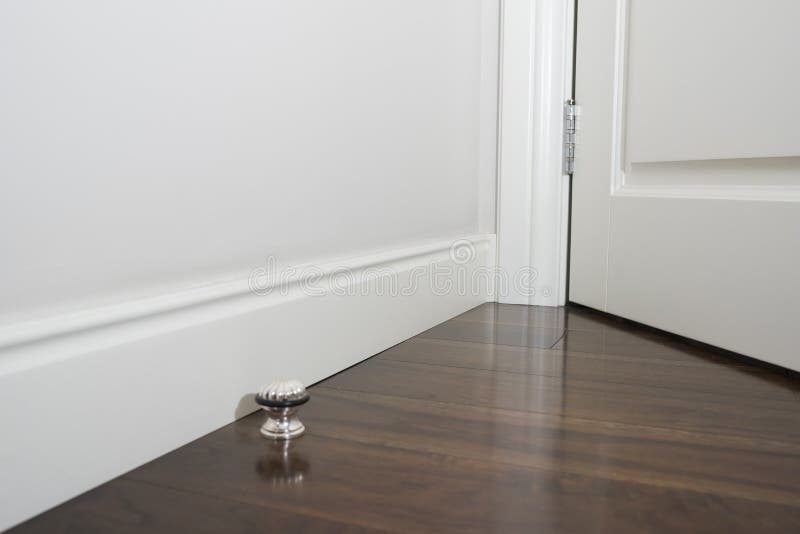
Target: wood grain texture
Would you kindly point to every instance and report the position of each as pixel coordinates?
(449, 432)
(699, 375)
(586, 399)
(129, 506)
(638, 453)
(500, 334)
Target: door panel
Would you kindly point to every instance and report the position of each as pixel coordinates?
(709, 79)
(686, 193)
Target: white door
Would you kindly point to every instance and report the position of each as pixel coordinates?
(686, 199)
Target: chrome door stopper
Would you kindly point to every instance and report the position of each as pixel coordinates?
(281, 400)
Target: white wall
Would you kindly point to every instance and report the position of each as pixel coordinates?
(154, 152)
(152, 144)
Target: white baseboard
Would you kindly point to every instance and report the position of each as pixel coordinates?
(89, 396)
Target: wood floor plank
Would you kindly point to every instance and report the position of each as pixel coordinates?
(637, 343)
(566, 318)
(533, 316)
(492, 333)
(701, 376)
(587, 331)
(747, 468)
(127, 506)
(624, 403)
(377, 486)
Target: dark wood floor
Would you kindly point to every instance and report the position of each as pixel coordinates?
(504, 419)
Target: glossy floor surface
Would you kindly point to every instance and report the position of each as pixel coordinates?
(504, 419)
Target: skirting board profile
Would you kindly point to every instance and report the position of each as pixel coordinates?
(87, 397)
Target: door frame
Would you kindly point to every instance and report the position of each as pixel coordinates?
(536, 59)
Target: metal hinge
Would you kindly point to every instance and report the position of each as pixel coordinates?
(570, 129)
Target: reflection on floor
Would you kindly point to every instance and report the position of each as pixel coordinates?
(504, 419)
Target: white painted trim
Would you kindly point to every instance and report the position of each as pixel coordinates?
(126, 312)
(533, 193)
(766, 193)
(618, 132)
(88, 396)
